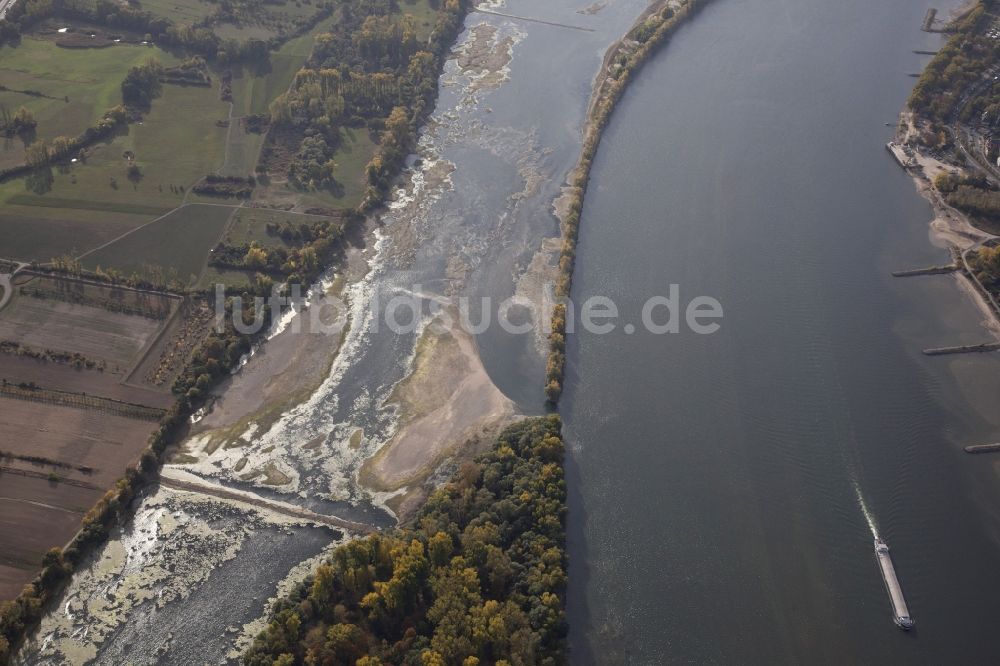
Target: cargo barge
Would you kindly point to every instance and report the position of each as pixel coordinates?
(900, 613)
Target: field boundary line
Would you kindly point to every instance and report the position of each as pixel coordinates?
(130, 232)
(81, 401)
(32, 474)
(42, 504)
(97, 283)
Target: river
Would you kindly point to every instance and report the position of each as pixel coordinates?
(720, 483)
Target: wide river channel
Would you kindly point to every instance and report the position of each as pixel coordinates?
(726, 487)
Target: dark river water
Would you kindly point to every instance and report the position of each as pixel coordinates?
(719, 482)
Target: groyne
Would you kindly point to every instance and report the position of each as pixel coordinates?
(930, 270)
(929, 18)
(983, 448)
(964, 349)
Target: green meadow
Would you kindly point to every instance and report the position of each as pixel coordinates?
(90, 79)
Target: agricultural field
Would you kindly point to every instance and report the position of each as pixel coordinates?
(112, 340)
(177, 243)
(77, 86)
(55, 463)
(40, 233)
(70, 422)
(51, 374)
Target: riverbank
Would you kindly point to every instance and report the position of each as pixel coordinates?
(623, 60)
(949, 227)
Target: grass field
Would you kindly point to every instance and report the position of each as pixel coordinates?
(228, 277)
(180, 240)
(242, 152)
(265, 21)
(183, 12)
(177, 143)
(253, 91)
(244, 31)
(423, 15)
(83, 204)
(90, 78)
(351, 158)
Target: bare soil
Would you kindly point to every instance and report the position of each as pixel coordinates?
(64, 377)
(35, 515)
(94, 332)
(78, 437)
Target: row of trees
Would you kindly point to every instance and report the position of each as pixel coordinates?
(311, 248)
(42, 152)
(479, 579)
